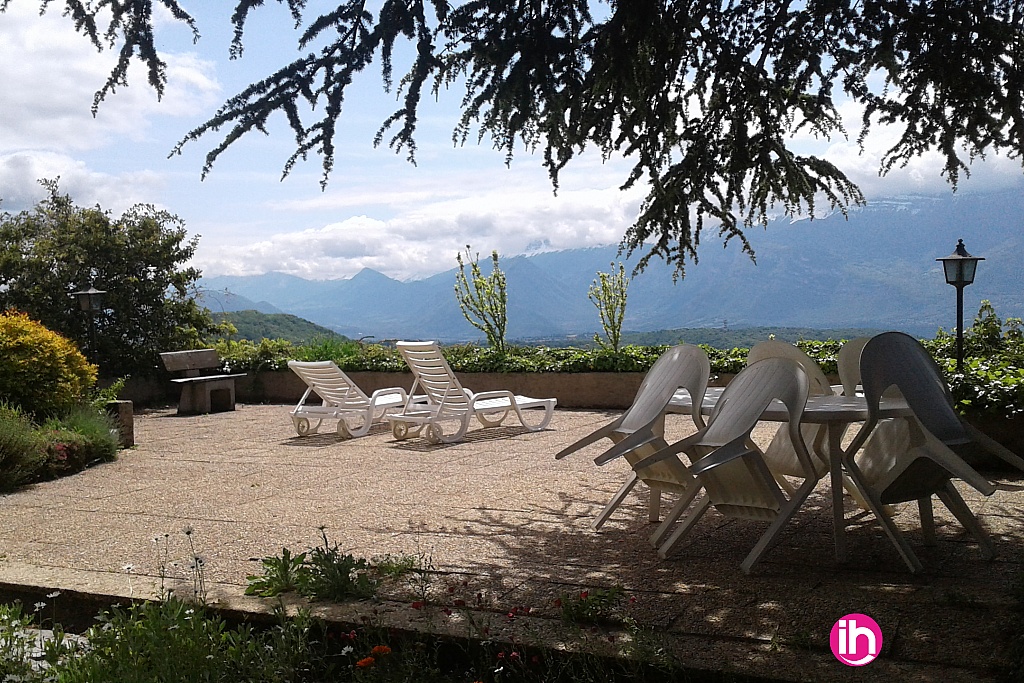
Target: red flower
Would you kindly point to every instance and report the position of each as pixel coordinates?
(584, 595)
(380, 650)
(418, 604)
(364, 663)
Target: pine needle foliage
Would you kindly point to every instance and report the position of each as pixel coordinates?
(705, 98)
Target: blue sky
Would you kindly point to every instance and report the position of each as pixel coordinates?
(378, 211)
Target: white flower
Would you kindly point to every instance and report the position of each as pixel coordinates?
(54, 594)
(40, 605)
(347, 650)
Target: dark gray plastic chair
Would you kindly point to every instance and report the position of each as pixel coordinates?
(915, 457)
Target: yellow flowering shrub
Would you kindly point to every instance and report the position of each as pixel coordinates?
(40, 371)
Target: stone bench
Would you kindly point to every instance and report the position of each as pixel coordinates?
(202, 389)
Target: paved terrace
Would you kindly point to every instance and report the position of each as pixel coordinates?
(506, 526)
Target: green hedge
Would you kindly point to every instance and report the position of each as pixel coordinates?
(992, 382)
(246, 356)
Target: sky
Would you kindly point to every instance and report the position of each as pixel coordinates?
(378, 210)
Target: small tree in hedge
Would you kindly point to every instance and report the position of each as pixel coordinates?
(483, 299)
(41, 372)
(608, 294)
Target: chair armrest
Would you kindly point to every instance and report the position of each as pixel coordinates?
(720, 456)
(485, 395)
(668, 451)
(858, 440)
(593, 437)
(390, 390)
(632, 441)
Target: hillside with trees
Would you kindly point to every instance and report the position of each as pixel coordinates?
(254, 326)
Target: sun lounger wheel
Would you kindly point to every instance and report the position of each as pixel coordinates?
(403, 430)
(302, 426)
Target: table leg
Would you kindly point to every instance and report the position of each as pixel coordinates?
(835, 459)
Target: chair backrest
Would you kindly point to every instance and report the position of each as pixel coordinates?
(683, 366)
(817, 382)
(749, 393)
(897, 359)
(848, 361)
(329, 382)
(434, 377)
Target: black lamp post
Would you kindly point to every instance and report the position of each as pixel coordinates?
(959, 270)
(90, 301)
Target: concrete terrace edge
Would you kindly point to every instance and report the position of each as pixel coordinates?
(95, 592)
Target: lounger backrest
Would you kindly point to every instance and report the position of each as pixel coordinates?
(329, 382)
(434, 377)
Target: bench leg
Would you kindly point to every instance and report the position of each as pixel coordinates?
(207, 397)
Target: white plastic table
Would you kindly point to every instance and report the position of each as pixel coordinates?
(835, 412)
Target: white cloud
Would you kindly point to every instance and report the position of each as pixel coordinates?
(920, 175)
(50, 75)
(425, 239)
(21, 171)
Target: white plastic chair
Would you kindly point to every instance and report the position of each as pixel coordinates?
(734, 475)
(848, 363)
(640, 430)
(340, 399)
(447, 404)
(780, 455)
(914, 457)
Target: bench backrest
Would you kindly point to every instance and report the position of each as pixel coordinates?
(192, 363)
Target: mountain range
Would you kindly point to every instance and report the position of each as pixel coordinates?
(876, 269)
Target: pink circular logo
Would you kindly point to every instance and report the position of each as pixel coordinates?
(856, 640)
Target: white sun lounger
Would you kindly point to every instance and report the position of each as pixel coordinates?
(448, 407)
(341, 400)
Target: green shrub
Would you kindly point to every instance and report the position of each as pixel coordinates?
(40, 371)
(247, 356)
(180, 641)
(97, 429)
(327, 348)
(21, 448)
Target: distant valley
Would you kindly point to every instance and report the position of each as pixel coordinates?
(876, 270)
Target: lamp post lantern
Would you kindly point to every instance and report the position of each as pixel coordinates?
(90, 301)
(959, 269)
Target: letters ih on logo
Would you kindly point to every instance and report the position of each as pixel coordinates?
(856, 640)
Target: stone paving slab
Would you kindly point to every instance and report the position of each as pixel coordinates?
(503, 525)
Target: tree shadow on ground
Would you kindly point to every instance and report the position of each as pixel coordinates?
(791, 600)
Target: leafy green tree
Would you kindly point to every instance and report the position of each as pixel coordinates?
(56, 248)
(705, 98)
(608, 294)
(483, 298)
